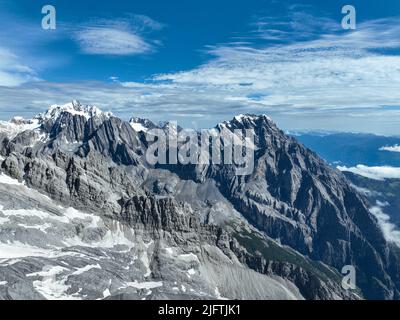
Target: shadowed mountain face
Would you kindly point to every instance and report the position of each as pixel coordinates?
(284, 231)
(296, 197)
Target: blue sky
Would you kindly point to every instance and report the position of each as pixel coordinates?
(200, 62)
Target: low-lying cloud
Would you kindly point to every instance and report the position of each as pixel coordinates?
(390, 231)
(375, 173)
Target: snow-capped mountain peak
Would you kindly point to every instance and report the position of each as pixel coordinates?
(246, 121)
(74, 108)
(17, 125)
(141, 125)
(242, 117)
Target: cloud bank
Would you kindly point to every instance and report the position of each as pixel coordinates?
(375, 173)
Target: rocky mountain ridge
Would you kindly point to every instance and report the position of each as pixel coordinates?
(284, 231)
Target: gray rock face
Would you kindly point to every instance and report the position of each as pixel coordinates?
(296, 197)
(178, 231)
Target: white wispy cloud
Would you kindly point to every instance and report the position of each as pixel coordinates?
(375, 173)
(19, 62)
(118, 36)
(13, 71)
(395, 148)
(338, 70)
(142, 22)
(347, 75)
(103, 40)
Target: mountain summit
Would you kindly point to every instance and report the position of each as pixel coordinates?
(73, 108)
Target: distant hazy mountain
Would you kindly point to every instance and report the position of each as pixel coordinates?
(84, 216)
(351, 149)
